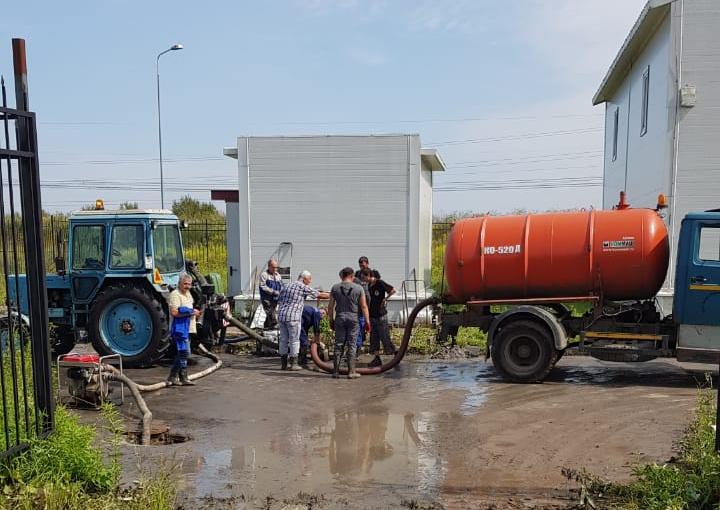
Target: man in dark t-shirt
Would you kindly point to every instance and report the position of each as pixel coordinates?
(347, 299)
(379, 291)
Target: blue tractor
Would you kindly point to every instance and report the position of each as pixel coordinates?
(121, 267)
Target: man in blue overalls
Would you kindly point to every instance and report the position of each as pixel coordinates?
(311, 318)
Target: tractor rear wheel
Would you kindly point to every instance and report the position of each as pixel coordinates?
(127, 319)
(524, 351)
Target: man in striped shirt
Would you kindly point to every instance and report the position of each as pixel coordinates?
(290, 307)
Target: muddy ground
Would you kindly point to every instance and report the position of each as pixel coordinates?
(438, 434)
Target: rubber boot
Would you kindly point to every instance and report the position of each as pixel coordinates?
(302, 357)
(336, 367)
(352, 374)
(376, 361)
(184, 381)
(283, 362)
(294, 364)
(173, 379)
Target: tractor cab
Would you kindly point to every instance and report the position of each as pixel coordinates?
(124, 244)
(121, 266)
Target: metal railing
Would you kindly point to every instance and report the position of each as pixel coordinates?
(26, 400)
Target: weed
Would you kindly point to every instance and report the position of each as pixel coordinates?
(66, 472)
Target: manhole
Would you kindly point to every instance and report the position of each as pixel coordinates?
(159, 434)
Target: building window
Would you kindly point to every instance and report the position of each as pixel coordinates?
(645, 96)
(616, 125)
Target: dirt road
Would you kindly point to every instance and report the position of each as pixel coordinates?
(445, 433)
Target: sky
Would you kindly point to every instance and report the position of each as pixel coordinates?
(502, 89)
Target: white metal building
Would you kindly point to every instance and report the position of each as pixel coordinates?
(662, 113)
(334, 198)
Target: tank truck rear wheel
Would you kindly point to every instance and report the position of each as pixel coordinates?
(128, 320)
(524, 351)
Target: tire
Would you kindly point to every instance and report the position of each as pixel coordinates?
(524, 351)
(128, 320)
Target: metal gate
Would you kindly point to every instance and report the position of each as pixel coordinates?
(26, 403)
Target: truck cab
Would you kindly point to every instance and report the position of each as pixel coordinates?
(696, 306)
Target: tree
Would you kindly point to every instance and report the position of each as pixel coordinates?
(128, 205)
(191, 209)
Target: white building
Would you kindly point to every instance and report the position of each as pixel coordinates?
(662, 113)
(334, 198)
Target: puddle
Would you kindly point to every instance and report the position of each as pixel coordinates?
(353, 450)
(471, 377)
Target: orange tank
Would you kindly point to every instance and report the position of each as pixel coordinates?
(617, 255)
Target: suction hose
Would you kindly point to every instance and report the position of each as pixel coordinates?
(113, 374)
(251, 332)
(399, 355)
(164, 384)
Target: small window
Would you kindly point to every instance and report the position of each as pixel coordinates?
(89, 247)
(127, 247)
(616, 126)
(709, 248)
(168, 249)
(645, 98)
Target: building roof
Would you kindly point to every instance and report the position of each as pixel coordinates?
(430, 157)
(647, 23)
(432, 160)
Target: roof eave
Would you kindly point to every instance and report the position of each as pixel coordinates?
(431, 157)
(645, 26)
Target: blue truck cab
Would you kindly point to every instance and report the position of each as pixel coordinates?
(121, 266)
(696, 305)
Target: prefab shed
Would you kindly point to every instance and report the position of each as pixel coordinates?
(334, 198)
(662, 113)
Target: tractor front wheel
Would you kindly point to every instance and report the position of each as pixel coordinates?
(128, 320)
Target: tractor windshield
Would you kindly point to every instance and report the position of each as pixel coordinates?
(168, 250)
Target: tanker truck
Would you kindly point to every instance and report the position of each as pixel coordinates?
(516, 278)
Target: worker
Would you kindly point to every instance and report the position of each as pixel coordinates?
(347, 300)
(290, 308)
(364, 263)
(379, 291)
(183, 315)
(311, 318)
(270, 285)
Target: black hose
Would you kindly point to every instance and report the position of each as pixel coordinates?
(399, 355)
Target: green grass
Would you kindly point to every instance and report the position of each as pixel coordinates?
(692, 482)
(73, 469)
(20, 424)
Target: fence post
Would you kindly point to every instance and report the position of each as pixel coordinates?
(207, 245)
(31, 207)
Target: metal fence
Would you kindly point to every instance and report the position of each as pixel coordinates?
(26, 399)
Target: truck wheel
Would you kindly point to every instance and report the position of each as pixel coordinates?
(524, 351)
(128, 320)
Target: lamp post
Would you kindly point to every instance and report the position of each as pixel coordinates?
(157, 71)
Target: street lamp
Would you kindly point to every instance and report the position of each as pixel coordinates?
(157, 70)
